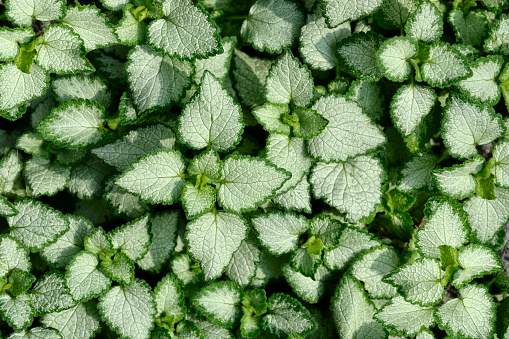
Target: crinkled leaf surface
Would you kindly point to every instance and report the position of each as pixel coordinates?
(169, 298)
(394, 57)
(84, 279)
(425, 24)
(458, 182)
(309, 289)
(244, 263)
(296, 199)
(132, 238)
(496, 42)
(218, 301)
(416, 173)
(249, 74)
(358, 55)
(475, 261)
(336, 11)
(444, 66)
(13, 256)
(51, 294)
(44, 177)
(80, 321)
(77, 86)
(501, 166)
(287, 315)
(10, 38)
(17, 311)
(218, 64)
(469, 28)
(22, 12)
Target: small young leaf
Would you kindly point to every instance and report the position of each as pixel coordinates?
(336, 11)
(416, 173)
(20, 282)
(353, 311)
(334, 182)
(123, 152)
(247, 182)
(308, 289)
(358, 55)
(444, 66)
(405, 318)
(475, 261)
(289, 81)
(458, 181)
(138, 309)
(156, 177)
(84, 279)
(227, 229)
(75, 125)
(219, 303)
(425, 24)
(186, 271)
(23, 12)
(169, 299)
(62, 51)
(372, 266)
(51, 294)
(132, 238)
(129, 30)
(207, 164)
(349, 132)
(472, 316)
(156, 80)
(394, 58)
(310, 124)
(36, 225)
(467, 124)
(11, 39)
(197, 201)
(287, 315)
(272, 25)
(77, 86)
(175, 35)
(318, 41)
(120, 269)
(278, 232)
(80, 321)
(114, 5)
(308, 257)
(44, 177)
(419, 282)
(270, 116)
(16, 311)
(91, 25)
(163, 229)
(212, 118)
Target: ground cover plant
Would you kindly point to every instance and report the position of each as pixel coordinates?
(253, 169)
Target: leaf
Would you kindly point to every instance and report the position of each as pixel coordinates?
(138, 309)
(80, 321)
(36, 225)
(308, 289)
(91, 25)
(210, 331)
(20, 282)
(353, 311)
(472, 315)
(87, 178)
(114, 5)
(208, 165)
(289, 81)
(16, 311)
(247, 182)
(501, 167)
(197, 201)
(123, 203)
(297, 199)
(272, 25)
(249, 74)
(51, 294)
(120, 268)
(357, 55)
(353, 187)
(11, 166)
(227, 229)
(163, 228)
(317, 42)
(410, 105)
(310, 123)
(44, 177)
(279, 233)
(446, 225)
(467, 124)
(218, 302)
(156, 80)
(132, 238)
(444, 66)
(10, 39)
(244, 263)
(175, 35)
(497, 40)
(470, 28)
(405, 318)
(270, 116)
(307, 258)
(77, 86)
(287, 315)
(396, 12)
(75, 125)
(482, 84)
(212, 118)
(219, 64)
(62, 51)
(288, 153)
(13, 256)
(458, 181)
(394, 58)
(36, 333)
(156, 177)
(475, 261)
(372, 266)
(96, 242)
(129, 30)
(23, 12)
(186, 271)
(425, 24)
(416, 172)
(33, 143)
(17, 87)
(336, 11)
(419, 282)
(169, 299)
(6, 208)
(84, 279)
